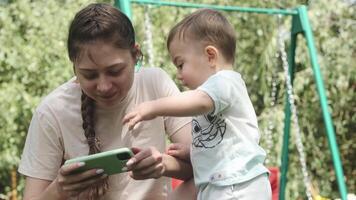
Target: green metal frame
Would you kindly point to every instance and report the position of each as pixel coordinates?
(300, 25)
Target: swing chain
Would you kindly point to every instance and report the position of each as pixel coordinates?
(293, 107)
(270, 126)
(148, 36)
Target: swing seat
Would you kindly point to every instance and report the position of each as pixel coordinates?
(273, 179)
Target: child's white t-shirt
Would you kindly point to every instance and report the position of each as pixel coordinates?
(225, 148)
(56, 134)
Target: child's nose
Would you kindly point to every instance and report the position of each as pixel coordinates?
(179, 77)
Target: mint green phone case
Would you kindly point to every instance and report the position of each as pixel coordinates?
(111, 161)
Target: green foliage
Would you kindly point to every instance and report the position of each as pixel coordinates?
(33, 61)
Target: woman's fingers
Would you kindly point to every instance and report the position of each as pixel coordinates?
(70, 168)
(155, 171)
(138, 157)
(73, 177)
(80, 186)
(135, 150)
(133, 160)
(143, 157)
(146, 163)
(72, 183)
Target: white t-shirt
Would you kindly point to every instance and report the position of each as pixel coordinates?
(225, 148)
(56, 133)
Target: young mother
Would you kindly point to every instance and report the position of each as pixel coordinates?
(83, 116)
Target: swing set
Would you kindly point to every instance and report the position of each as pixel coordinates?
(300, 25)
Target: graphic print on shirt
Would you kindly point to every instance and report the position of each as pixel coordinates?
(209, 132)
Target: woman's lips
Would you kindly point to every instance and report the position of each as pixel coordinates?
(108, 97)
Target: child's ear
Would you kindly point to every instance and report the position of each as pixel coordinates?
(212, 54)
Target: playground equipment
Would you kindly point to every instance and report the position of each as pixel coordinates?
(300, 25)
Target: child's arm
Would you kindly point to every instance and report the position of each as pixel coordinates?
(187, 103)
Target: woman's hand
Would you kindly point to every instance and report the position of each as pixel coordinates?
(146, 163)
(72, 184)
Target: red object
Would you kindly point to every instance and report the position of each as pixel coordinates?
(176, 183)
(273, 179)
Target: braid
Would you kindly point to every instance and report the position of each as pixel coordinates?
(88, 111)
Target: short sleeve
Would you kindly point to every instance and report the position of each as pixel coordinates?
(43, 153)
(223, 90)
(166, 87)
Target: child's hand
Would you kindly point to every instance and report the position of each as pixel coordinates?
(143, 111)
(179, 150)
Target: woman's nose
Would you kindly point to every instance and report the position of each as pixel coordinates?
(104, 85)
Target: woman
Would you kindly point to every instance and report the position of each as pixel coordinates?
(84, 116)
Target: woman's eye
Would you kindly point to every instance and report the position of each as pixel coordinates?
(115, 72)
(90, 76)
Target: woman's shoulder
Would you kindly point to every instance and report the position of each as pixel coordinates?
(155, 81)
(149, 72)
(152, 75)
(62, 98)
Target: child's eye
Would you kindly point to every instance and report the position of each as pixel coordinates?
(180, 66)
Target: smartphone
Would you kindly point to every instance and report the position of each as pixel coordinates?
(111, 161)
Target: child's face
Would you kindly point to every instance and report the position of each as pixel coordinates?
(105, 73)
(193, 67)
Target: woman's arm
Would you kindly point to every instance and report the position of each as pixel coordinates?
(180, 169)
(37, 189)
(174, 167)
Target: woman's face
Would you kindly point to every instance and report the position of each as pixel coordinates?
(105, 73)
